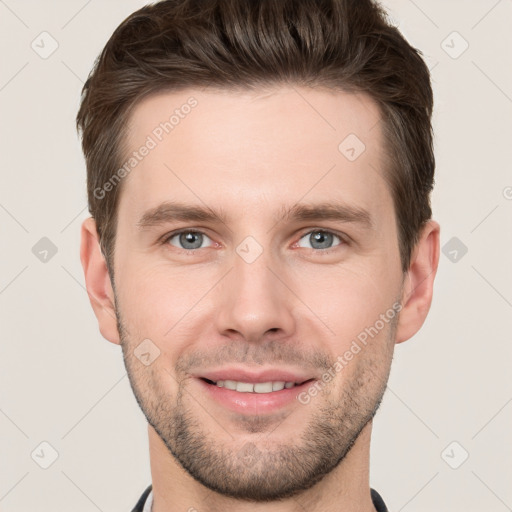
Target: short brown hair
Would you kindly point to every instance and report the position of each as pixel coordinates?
(346, 45)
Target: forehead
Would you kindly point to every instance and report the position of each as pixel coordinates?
(254, 149)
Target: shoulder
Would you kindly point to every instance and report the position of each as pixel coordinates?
(378, 502)
(139, 507)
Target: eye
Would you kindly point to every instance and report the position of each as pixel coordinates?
(187, 239)
(320, 239)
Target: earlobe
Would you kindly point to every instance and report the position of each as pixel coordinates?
(97, 280)
(419, 283)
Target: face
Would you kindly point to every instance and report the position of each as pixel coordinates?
(290, 274)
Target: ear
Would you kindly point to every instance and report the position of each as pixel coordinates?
(97, 281)
(419, 282)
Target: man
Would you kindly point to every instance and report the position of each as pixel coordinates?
(289, 143)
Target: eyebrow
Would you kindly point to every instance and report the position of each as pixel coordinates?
(335, 211)
(171, 211)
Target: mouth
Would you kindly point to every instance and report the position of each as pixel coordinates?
(254, 398)
(255, 387)
(244, 390)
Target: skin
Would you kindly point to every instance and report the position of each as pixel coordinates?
(250, 154)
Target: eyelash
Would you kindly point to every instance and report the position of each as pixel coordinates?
(343, 238)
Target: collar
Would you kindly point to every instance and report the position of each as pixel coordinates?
(145, 502)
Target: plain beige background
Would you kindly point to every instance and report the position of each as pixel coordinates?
(63, 385)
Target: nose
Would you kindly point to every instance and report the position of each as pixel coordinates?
(255, 301)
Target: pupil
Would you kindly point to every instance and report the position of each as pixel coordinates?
(322, 238)
(187, 238)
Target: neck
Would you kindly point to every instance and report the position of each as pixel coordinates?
(345, 489)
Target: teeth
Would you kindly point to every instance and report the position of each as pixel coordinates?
(244, 387)
(260, 387)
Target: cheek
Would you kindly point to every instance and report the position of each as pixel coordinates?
(145, 295)
(161, 302)
(347, 300)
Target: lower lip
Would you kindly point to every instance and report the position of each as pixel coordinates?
(254, 403)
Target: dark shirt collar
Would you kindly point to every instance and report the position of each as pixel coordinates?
(378, 502)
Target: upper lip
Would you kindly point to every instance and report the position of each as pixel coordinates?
(246, 375)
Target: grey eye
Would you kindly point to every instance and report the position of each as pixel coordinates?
(320, 239)
(188, 240)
